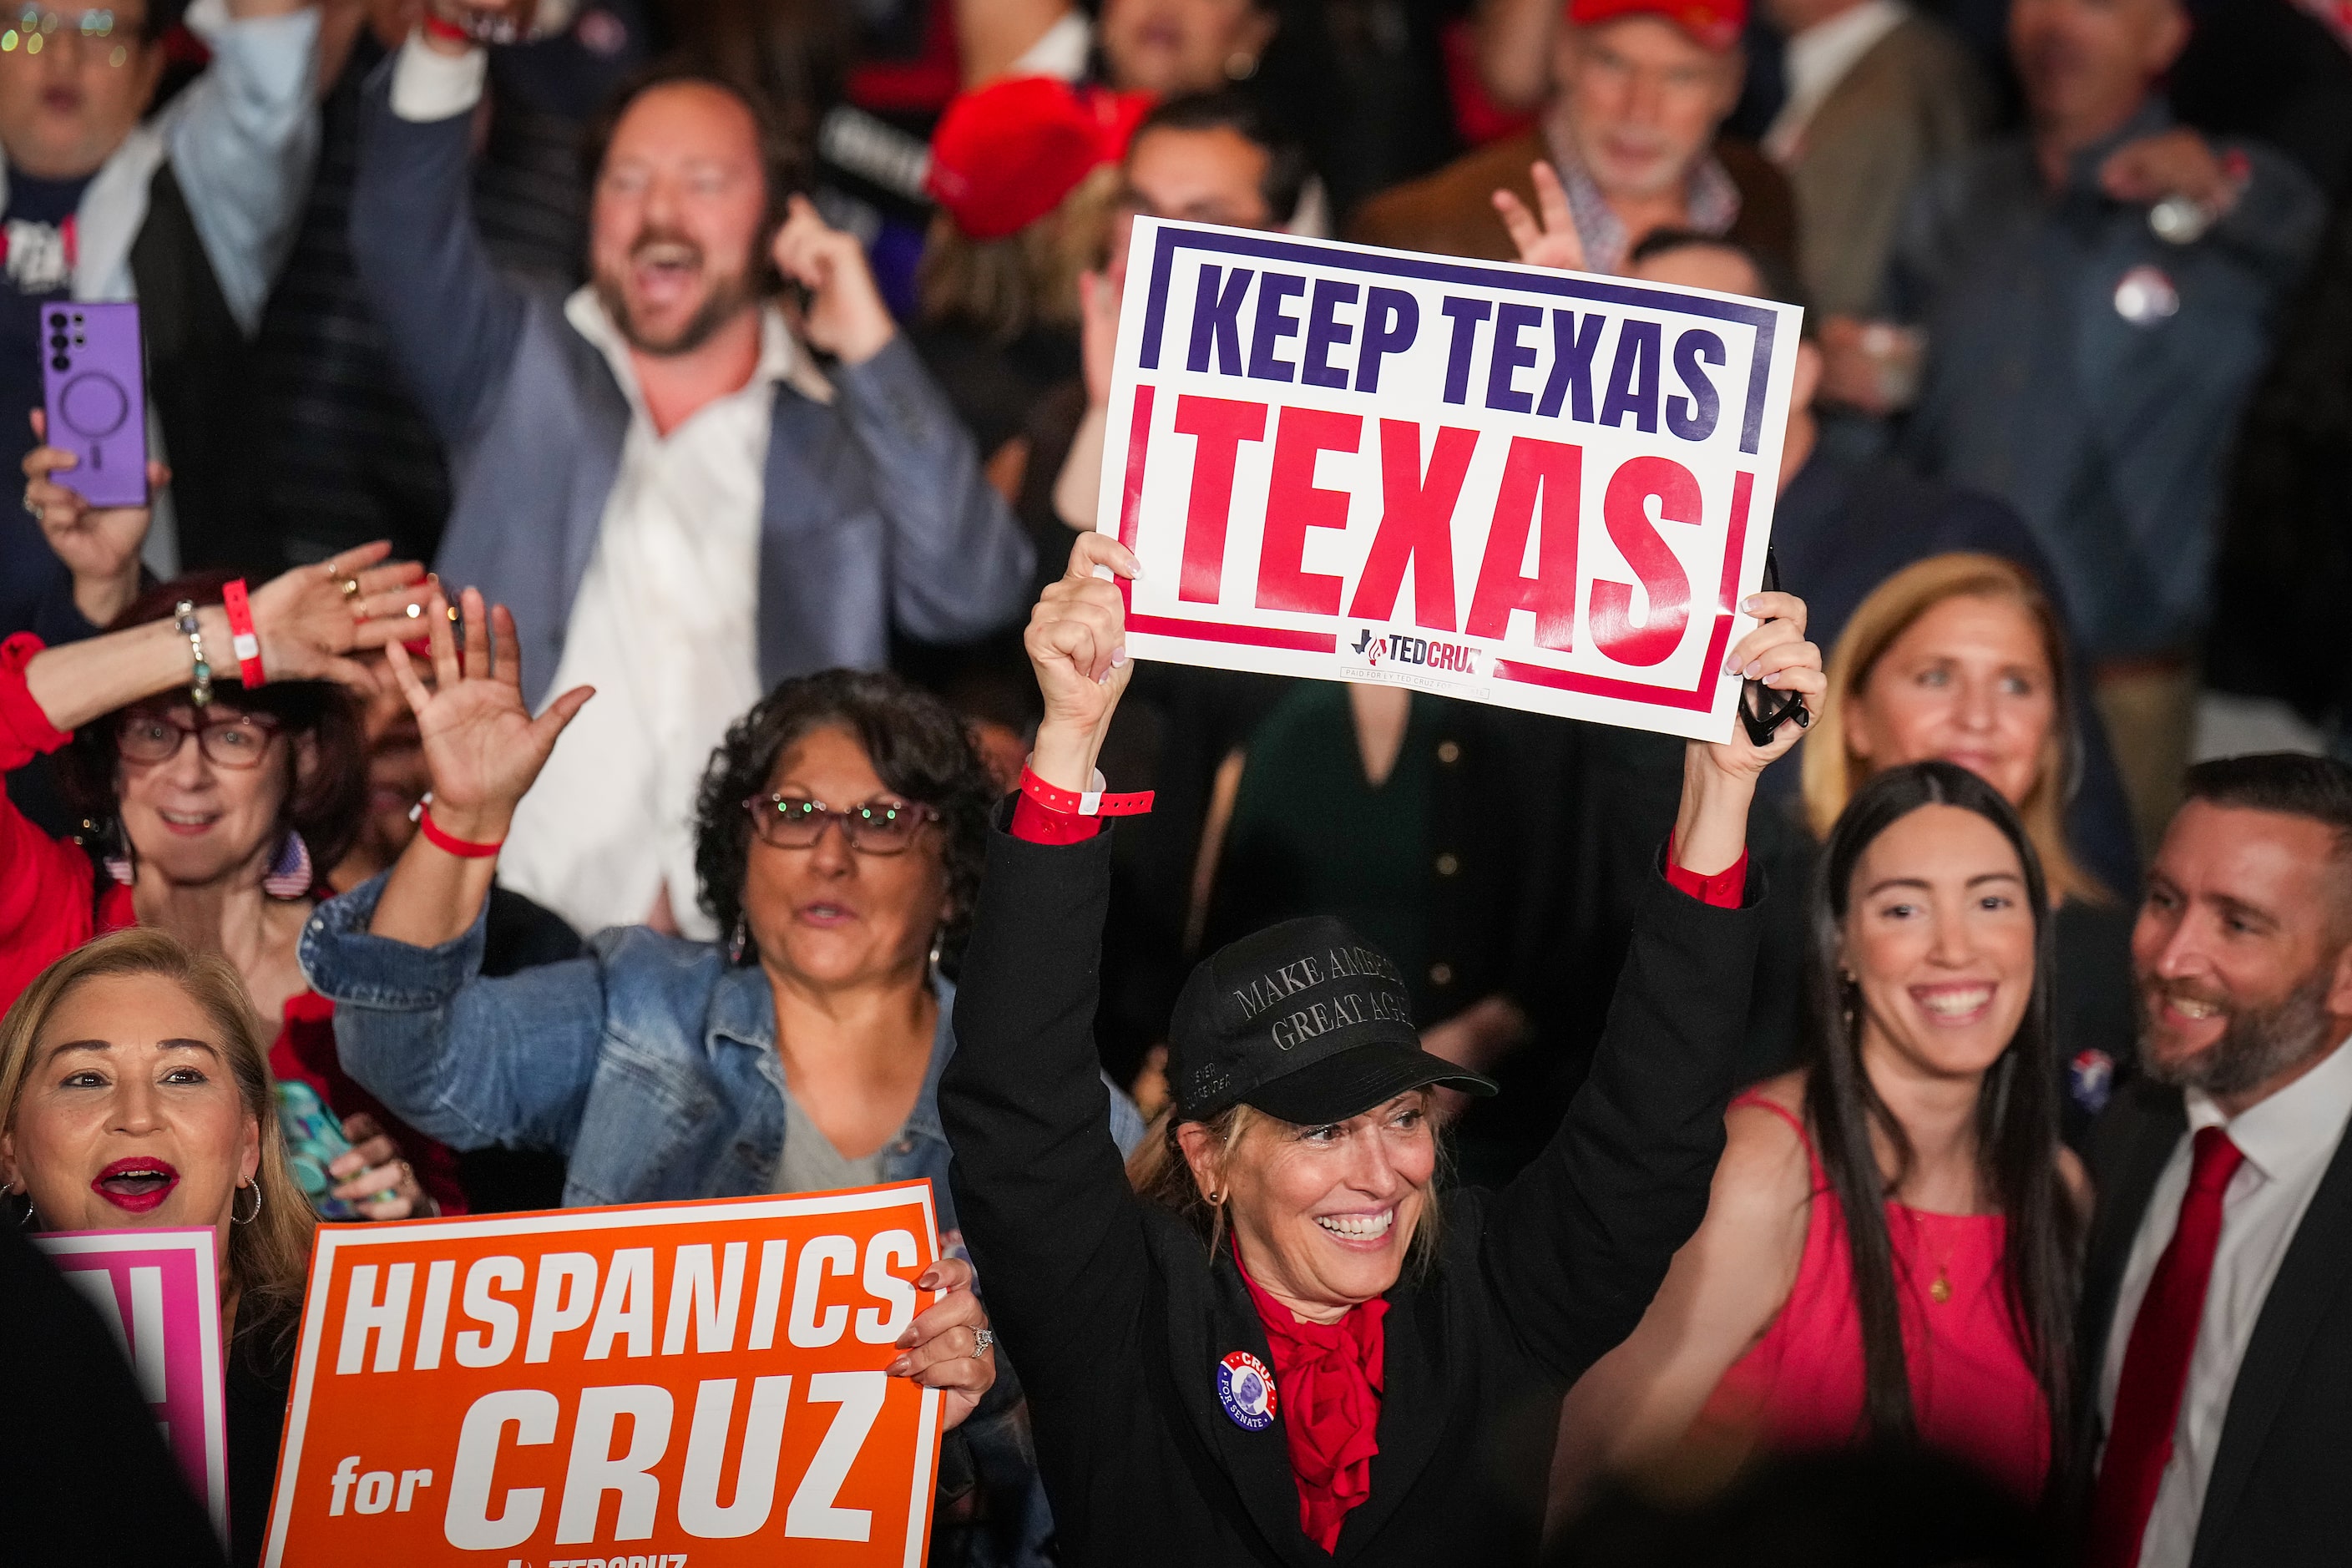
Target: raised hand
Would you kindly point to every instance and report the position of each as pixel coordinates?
(311, 618)
(941, 1348)
(845, 315)
(1554, 242)
(1777, 654)
(1076, 643)
(481, 744)
(1719, 777)
(99, 545)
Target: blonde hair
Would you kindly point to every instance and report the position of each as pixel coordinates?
(269, 1256)
(1162, 1176)
(1003, 287)
(1832, 771)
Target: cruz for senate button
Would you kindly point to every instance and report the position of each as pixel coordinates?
(1246, 1389)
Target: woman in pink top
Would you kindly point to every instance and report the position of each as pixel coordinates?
(1891, 1243)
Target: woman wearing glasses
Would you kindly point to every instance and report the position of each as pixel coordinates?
(208, 807)
(839, 838)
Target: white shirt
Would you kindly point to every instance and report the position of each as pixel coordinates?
(665, 627)
(2288, 1140)
(1817, 60)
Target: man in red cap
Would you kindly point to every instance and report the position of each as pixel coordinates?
(1638, 88)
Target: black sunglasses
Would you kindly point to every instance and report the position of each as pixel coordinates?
(1762, 709)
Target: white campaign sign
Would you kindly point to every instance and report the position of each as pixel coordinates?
(1536, 489)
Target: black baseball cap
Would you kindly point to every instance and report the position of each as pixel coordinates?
(1303, 1020)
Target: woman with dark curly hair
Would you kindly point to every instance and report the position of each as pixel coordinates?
(840, 833)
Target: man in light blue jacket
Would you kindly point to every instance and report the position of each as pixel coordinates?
(682, 505)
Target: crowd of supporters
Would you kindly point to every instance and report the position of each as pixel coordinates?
(579, 721)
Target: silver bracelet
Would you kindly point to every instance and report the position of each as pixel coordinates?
(200, 680)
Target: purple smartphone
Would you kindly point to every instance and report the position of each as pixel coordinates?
(94, 383)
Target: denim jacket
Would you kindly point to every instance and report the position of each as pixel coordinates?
(650, 1063)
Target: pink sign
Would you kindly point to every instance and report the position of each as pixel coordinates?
(159, 1292)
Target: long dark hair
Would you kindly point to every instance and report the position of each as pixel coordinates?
(2016, 1123)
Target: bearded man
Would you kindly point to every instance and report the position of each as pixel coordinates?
(679, 504)
(2216, 1303)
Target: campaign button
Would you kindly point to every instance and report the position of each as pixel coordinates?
(1246, 1390)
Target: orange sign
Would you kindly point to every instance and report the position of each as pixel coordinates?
(651, 1386)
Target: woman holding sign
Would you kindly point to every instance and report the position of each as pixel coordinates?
(1285, 1338)
(135, 1092)
(838, 844)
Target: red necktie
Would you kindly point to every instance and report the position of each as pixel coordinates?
(2156, 1362)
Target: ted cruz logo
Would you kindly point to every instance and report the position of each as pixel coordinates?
(1454, 658)
(1246, 1390)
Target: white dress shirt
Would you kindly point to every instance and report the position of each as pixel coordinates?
(1817, 60)
(2288, 1140)
(665, 627)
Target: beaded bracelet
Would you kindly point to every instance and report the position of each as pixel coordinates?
(200, 680)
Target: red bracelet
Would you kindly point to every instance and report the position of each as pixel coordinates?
(1093, 803)
(465, 849)
(240, 633)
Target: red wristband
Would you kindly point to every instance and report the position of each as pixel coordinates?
(465, 849)
(1092, 803)
(241, 635)
(446, 31)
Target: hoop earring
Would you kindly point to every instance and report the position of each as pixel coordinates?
(256, 1214)
(24, 1220)
(740, 939)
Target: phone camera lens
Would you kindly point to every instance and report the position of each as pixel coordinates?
(59, 321)
(81, 342)
(61, 362)
(58, 343)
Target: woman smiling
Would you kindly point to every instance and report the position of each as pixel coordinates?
(135, 1092)
(1278, 1335)
(1962, 658)
(1891, 1247)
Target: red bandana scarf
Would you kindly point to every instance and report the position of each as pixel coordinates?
(1327, 1378)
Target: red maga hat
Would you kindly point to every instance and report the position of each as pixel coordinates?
(1006, 154)
(1716, 24)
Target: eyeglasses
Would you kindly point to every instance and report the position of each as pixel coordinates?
(33, 25)
(880, 826)
(231, 741)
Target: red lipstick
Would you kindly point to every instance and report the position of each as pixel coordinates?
(136, 1185)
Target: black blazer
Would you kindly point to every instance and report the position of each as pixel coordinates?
(1117, 1314)
(2277, 1495)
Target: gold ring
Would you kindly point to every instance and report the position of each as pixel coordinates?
(351, 587)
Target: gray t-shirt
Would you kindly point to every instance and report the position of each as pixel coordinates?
(811, 1163)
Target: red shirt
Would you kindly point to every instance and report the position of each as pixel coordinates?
(1328, 1378)
(52, 901)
